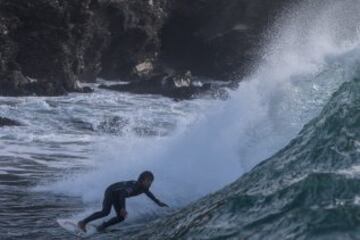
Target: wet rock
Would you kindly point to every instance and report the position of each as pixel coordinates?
(79, 88)
(177, 85)
(135, 28)
(87, 90)
(48, 46)
(8, 122)
(144, 68)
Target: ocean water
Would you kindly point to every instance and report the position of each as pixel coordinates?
(70, 148)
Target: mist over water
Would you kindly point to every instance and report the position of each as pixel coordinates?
(309, 52)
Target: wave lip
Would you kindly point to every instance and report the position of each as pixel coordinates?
(301, 192)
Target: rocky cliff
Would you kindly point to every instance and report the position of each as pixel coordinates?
(48, 46)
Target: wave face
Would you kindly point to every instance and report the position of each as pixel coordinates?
(308, 190)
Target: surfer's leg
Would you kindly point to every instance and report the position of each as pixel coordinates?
(106, 208)
(109, 223)
(119, 218)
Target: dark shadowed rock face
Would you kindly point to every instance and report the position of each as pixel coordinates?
(135, 43)
(48, 46)
(216, 38)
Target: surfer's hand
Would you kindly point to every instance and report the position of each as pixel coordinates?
(161, 204)
(123, 213)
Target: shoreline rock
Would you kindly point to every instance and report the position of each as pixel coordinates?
(179, 86)
(8, 122)
(48, 46)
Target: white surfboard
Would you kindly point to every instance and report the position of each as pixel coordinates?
(71, 226)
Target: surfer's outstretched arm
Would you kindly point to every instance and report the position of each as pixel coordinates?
(157, 201)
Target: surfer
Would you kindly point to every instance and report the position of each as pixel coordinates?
(115, 196)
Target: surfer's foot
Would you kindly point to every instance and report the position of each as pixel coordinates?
(82, 226)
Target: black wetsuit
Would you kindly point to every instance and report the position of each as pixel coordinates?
(115, 195)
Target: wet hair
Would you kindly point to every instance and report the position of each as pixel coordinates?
(146, 175)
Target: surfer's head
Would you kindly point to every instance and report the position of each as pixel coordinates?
(145, 179)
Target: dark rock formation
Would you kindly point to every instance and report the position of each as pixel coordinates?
(215, 38)
(135, 42)
(48, 46)
(8, 122)
(174, 85)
